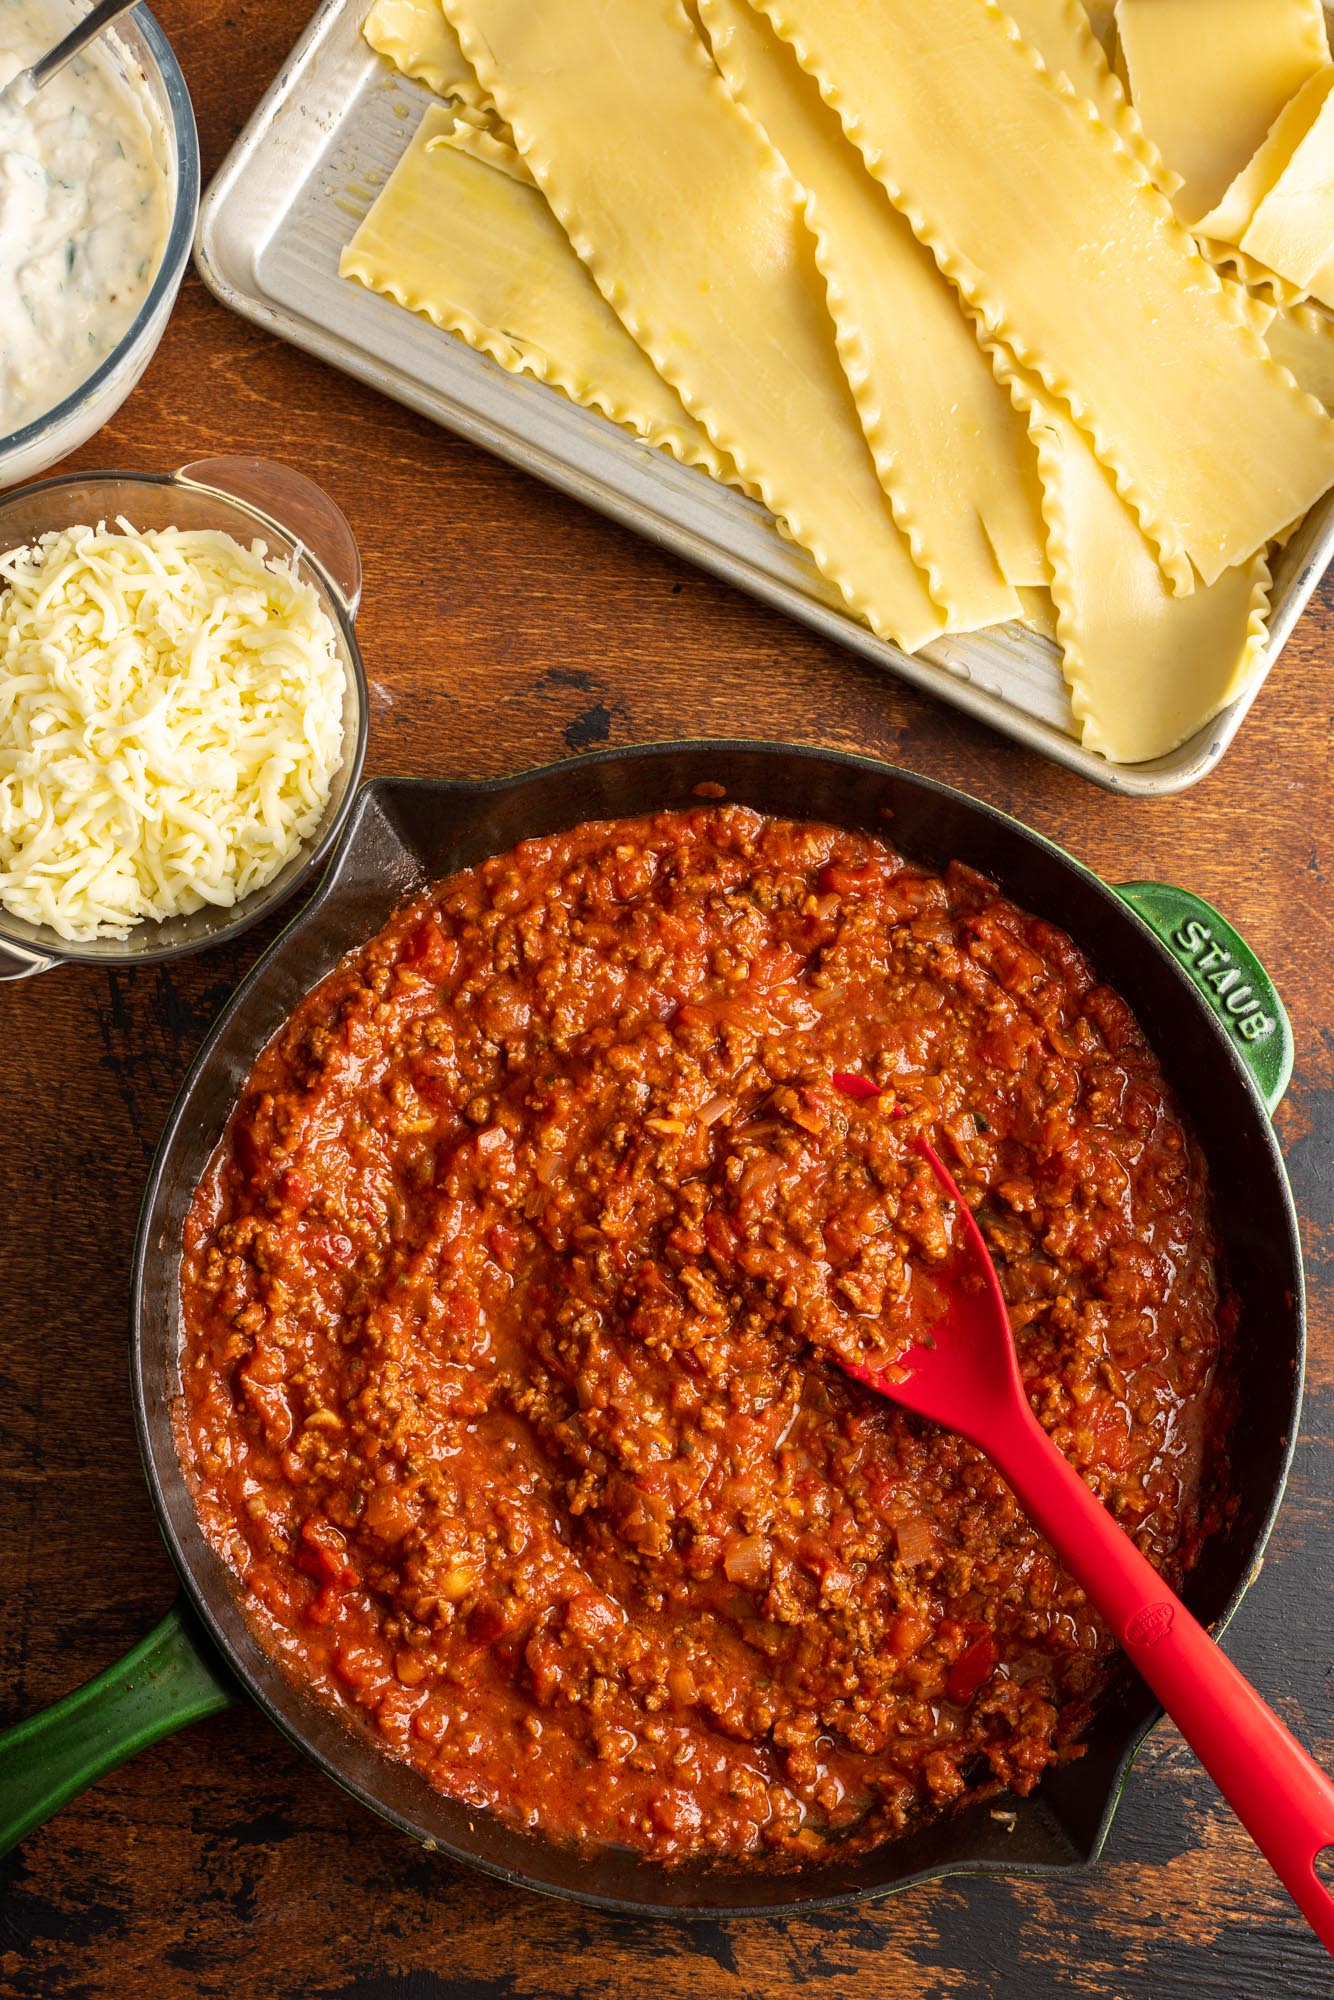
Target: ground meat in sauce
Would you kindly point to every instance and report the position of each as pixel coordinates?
(508, 1303)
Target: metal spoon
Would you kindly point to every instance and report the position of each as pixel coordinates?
(21, 89)
(965, 1375)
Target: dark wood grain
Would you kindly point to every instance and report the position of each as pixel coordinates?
(502, 626)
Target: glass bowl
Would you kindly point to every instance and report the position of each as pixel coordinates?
(142, 49)
(245, 498)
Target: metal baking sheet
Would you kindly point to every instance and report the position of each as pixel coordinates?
(290, 194)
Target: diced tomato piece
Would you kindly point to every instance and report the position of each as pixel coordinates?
(333, 1247)
(504, 1243)
(907, 1634)
(429, 951)
(974, 1665)
(853, 1085)
(722, 1236)
(323, 1553)
(488, 1621)
(252, 1143)
(323, 1607)
(839, 881)
(592, 1617)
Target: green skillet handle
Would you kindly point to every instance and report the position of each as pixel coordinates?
(1227, 974)
(166, 1681)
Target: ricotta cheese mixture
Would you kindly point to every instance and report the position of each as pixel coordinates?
(171, 720)
(84, 215)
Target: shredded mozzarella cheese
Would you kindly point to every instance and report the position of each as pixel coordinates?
(170, 724)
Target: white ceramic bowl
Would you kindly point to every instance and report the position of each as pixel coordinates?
(143, 49)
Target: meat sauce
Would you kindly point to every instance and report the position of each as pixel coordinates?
(511, 1305)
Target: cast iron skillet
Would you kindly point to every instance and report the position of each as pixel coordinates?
(1224, 1066)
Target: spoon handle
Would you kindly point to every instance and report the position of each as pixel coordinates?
(87, 30)
(1280, 1795)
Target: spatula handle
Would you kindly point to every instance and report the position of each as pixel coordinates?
(1280, 1795)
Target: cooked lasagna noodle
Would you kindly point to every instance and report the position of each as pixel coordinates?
(1279, 212)
(1209, 77)
(1142, 663)
(1302, 338)
(686, 260)
(511, 1302)
(419, 41)
(462, 234)
(1060, 32)
(860, 304)
(1119, 316)
(1102, 20)
(946, 439)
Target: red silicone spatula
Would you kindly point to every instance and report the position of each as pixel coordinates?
(968, 1379)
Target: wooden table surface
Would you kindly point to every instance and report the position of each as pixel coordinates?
(503, 626)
